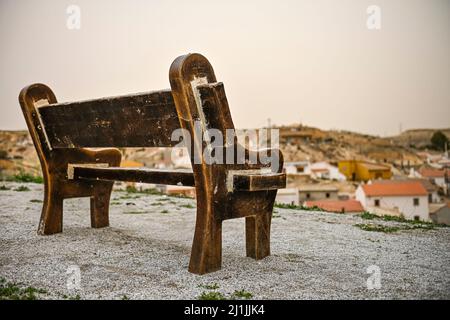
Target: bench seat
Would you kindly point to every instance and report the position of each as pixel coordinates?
(242, 181)
(144, 175)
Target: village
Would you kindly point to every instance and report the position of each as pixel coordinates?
(333, 171)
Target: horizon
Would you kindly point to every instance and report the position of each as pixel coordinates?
(314, 63)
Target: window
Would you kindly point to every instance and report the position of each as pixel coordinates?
(416, 218)
(430, 198)
(327, 195)
(416, 202)
(377, 202)
(308, 195)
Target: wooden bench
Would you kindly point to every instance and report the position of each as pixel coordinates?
(64, 133)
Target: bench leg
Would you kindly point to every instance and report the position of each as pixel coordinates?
(52, 214)
(206, 255)
(257, 232)
(100, 206)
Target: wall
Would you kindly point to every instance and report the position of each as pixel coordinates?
(442, 216)
(317, 195)
(403, 205)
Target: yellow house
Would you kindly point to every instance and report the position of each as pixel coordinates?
(358, 170)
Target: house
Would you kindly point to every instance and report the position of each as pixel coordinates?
(437, 176)
(359, 170)
(297, 167)
(317, 192)
(339, 206)
(440, 213)
(398, 198)
(288, 196)
(432, 190)
(324, 170)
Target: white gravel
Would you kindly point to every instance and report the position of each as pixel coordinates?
(145, 253)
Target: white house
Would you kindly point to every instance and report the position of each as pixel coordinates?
(297, 167)
(324, 170)
(288, 196)
(437, 176)
(407, 199)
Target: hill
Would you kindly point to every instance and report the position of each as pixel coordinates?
(297, 142)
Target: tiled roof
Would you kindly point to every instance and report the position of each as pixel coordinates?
(432, 173)
(430, 187)
(336, 205)
(394, 189)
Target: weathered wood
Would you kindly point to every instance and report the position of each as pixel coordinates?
(62, 132)
(54, 168)
(144, 175)
(139, 120)
(259, 182)
(198, 96)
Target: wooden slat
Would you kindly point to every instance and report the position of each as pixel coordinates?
(145, 175)
(139, 120)
(259, 182)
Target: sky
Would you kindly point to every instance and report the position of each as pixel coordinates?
(314, 62)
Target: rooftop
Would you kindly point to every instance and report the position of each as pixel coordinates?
(336, 205)
(430, 187)
(433, 173)
(395, 188)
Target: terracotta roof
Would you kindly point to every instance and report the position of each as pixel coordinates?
(430, 187)
(432, 173)
(336, 205)
(395, 189)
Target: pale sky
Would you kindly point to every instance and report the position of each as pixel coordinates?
(313, 61)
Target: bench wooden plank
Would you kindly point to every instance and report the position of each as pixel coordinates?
(259, 182)
(145, 175)
(139, 120)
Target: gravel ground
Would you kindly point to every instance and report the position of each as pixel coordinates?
(145, 253)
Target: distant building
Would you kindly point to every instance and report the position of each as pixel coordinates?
(324, 170)
(432, 190)
(297, 167)
(339, 206)
(317, 192)
(358, 170)
(295, 137)
(440, 213)
(398, 198)
(288, 196)
(437, 176)
(179, 191)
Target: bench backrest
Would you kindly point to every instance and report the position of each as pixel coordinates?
(138, 120)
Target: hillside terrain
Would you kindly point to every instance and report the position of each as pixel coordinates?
(17, 152)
